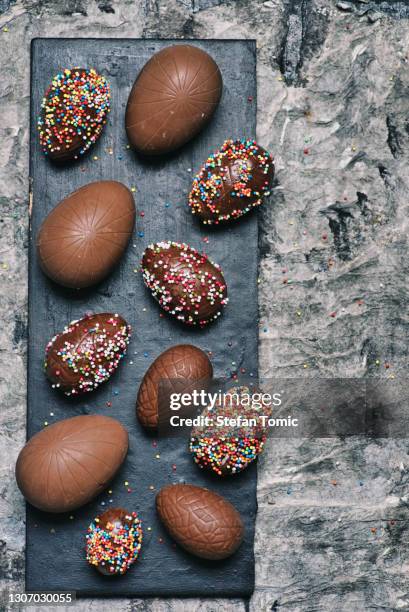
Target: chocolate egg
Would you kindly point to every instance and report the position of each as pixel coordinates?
(73, 113)
(234, 434)
(85, 235)
(185, 282)
(86, 353)
(174, 96)
(232, 182)
(202, 522)
(69, 463)
(113, 541)
(182, 368)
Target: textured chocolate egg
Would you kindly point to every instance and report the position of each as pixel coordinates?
(73, 113)
(185, 282)
(182, 368)
(230, 448)
(113, 541)
(174, 96)
(84, 236)
(86, 353)
(69, 463)
(232, 182)
(202, 522)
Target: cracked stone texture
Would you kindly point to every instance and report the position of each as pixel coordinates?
(333, 107)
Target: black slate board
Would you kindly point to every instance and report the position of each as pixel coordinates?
(55, 545)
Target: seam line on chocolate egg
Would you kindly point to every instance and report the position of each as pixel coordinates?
(210, 76)
(78, 484)
(167, 75)
(83, 468)
(163, 83)
(88, 454)
(165, 108)
(155, 132)
(59, 475)
(197, 72)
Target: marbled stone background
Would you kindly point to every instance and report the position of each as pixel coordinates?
(333, 107)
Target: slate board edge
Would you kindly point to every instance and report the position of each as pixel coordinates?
(33, 143)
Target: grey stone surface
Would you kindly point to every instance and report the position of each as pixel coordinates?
(332, 106)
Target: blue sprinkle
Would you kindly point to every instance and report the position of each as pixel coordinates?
(265, 330)
(145, 354)
(289, 491)
(141, 234)
(116, 392)
(167, 205)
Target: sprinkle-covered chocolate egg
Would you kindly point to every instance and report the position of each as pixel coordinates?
(73, 113)
(174, 96)
(232, 182)
(181, 368)
(185, 282)
(70, 462)
(83, 238)
(113, 541)
(201, 521)
(234, 435)
(86, 353)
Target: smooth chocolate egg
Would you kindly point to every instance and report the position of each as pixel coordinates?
(174, 96)
(86, 353)
(182, 369)
(83, 238)
(231, 182)
(202, 522)
(185, 282)
(73, 113)
(113, 541)
(69, 463)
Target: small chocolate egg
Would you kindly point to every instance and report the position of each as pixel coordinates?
(86, 353)
(185, 282)
(73, 113)
(236, 434)
(183, 368)
(113, 541)
(83, 238)
(202, 522)
(70, 462)
(232, 182)
(174, 96)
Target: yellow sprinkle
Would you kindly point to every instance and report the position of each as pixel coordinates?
(377, 362)
(305, 365)
(135, 270)
(95, 157)
(149, 528)
(157, 456)
(133, 189)
(126, 483)
(298, 313)
(5, 29)
(280, 78)
(46, 423)
(5, 266)
(128, 146)
(109, 492)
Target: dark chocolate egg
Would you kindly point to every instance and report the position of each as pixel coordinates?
(232, 182)
(182, 368)
(84, 236)
(86, 353)
(234, 434)
(174, 96)
(73, 113)
(69, 463)
(113, 541)
(202, 522)
(185, 282)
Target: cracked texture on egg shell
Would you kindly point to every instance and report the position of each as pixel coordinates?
(338, 78)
